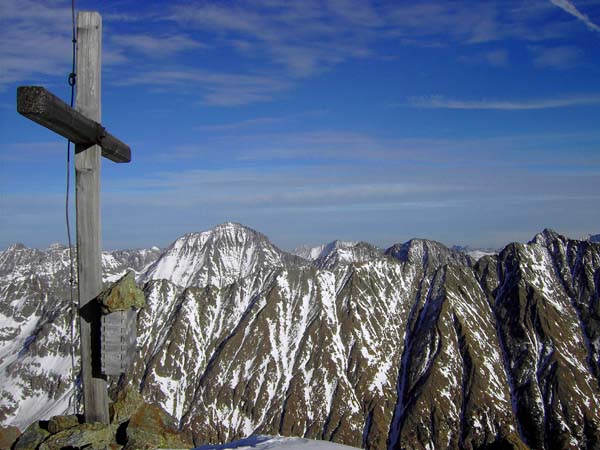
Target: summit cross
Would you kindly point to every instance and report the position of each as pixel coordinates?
(81, 126)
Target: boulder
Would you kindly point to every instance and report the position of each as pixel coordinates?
(91, 436)
(151, 427)
(121, 295)
(136, 425)
(8, 436)
(128, 401)
(61, 423)
(33, 436)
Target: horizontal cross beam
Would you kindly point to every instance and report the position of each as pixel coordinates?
(41, 106)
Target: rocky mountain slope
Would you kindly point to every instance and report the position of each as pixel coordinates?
(418, 346)
(35, 327)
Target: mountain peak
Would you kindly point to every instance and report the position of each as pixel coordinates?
(346, 252)
(230, 226)
(219, 256)
(320, 251)
(226, 230)
(427, 252)
(546, 237)
(16, 246)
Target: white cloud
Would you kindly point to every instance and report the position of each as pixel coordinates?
(303, 38)
(290, 40)
(36, 41)
(571, 9)
(156, 45)
(495, 58)
(241, 125)
(562, 57)
(440, 102)
(260, 123)
(216, 88)
(281, 187)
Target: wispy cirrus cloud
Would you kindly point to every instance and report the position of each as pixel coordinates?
(570, 8)
(241, 125)
(561, 57)
(261, 123)
(289, 40)
(303, 38)
(494, 58)
(441, 102)
(156, 45)
(35, 40)
(471, 23)
(497, 58)
(216, 88)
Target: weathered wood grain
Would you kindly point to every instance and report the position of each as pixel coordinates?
(87, 173)
(43, 107)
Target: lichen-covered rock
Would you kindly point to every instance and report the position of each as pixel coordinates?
(59, 423)
(151, 427)
(122, 295)
(127, 403)
(8, 435)
(134, 423)
(91, 436)
(33, 436)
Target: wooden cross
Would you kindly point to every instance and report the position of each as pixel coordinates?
(82, 127)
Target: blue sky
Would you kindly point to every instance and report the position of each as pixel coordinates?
(473, 123)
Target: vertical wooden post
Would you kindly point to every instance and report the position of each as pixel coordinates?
(87, 173)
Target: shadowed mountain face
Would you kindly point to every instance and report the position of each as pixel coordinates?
(418, 346)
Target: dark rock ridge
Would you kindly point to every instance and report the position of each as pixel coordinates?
(418, 346)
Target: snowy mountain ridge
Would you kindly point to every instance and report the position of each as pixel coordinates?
(475, 253)
(417, 346)
(594, 238)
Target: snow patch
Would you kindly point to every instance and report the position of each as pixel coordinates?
(260, 442)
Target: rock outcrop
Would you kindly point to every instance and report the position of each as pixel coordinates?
(135, 425)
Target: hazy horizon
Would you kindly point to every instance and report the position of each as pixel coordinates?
(308, 245)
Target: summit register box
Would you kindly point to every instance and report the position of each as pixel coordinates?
(118, 341)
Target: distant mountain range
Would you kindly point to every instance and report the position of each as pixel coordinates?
(415, 346)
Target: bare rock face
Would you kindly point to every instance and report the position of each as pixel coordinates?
(415, 347)
(454, 391)
(8, 436)
(547, 303)
(36, 376)
(150, 427)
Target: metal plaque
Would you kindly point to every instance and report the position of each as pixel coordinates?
(118, 341)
